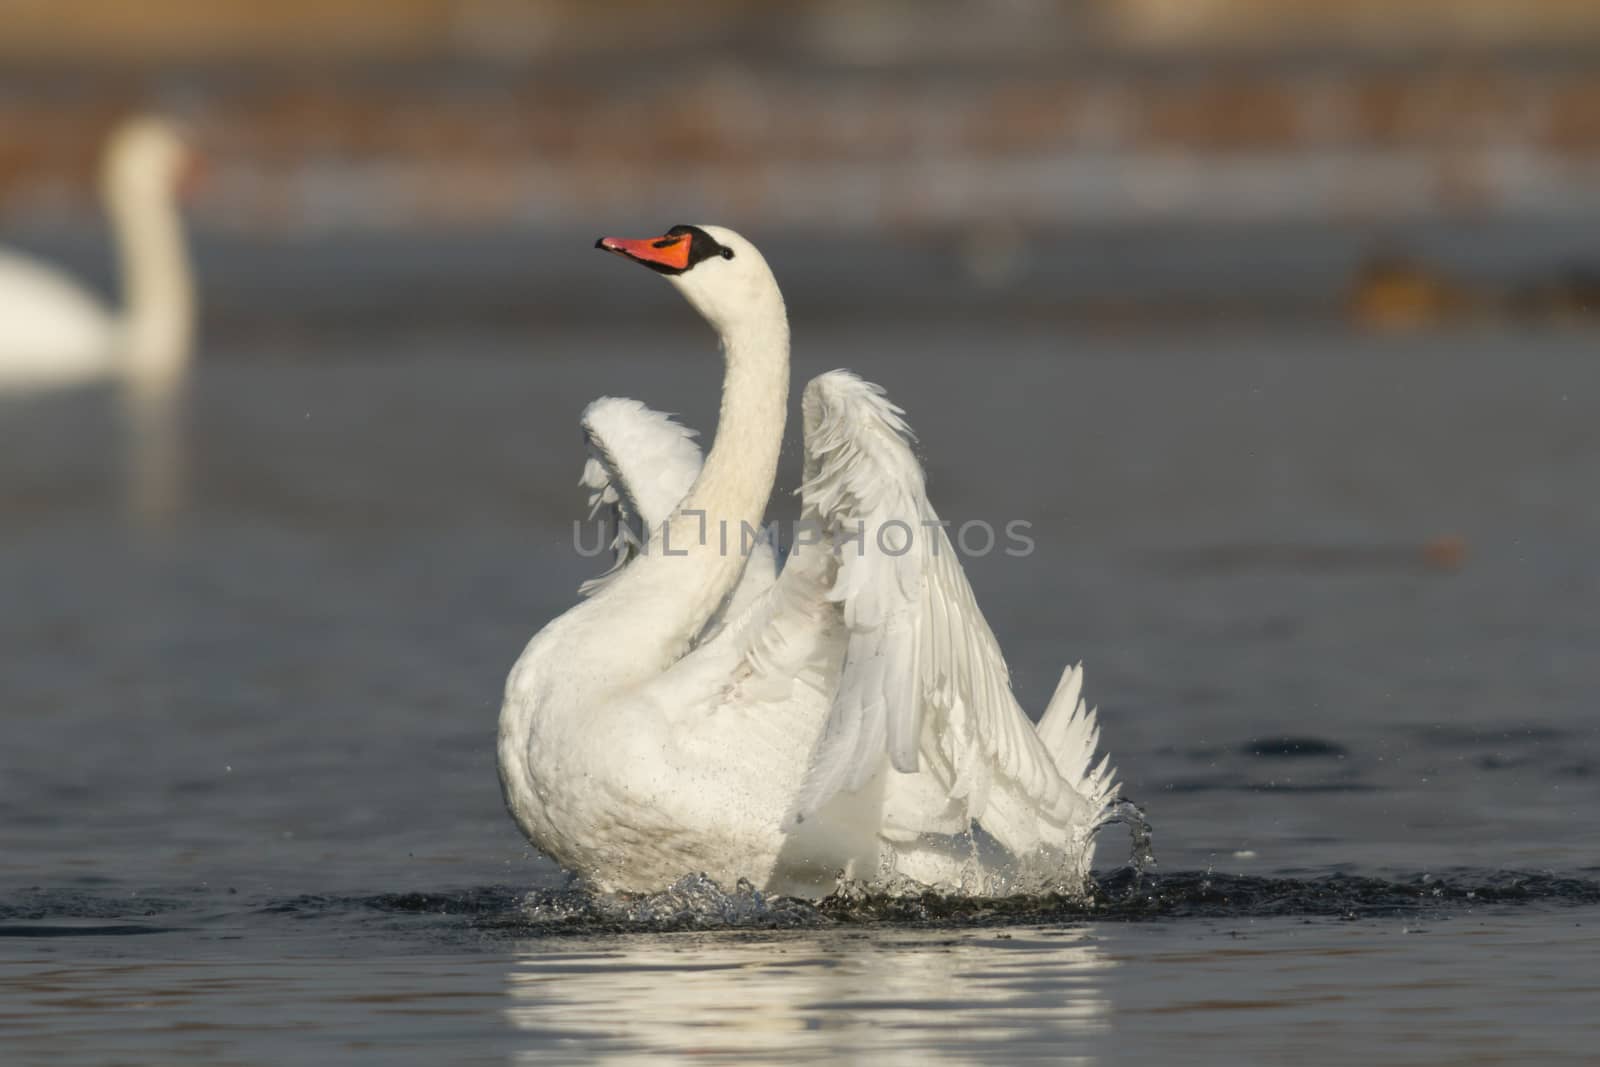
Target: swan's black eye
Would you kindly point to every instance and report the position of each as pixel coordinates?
(727, 253)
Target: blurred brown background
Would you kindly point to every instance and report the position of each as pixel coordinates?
(1442, 155)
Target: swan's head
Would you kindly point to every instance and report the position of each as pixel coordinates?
(148, 159)
(716, 270)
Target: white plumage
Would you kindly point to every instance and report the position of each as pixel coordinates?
(851, 717)
(54, 332)
(641, 465)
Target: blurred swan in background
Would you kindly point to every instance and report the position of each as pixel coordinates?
(55, 333)
(850, 715)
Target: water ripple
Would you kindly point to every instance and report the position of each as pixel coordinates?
(698, 903)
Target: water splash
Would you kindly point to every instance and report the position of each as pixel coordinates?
(1141, 836)
(1126, 895)
(698, 903)
(975, 864)
(692, 902)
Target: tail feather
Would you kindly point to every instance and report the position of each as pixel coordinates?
(1070, 730)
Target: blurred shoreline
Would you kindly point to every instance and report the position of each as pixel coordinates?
(1133, 158)
(842, 149)
(885, 32)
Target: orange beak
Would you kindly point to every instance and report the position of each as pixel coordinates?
(669, 255)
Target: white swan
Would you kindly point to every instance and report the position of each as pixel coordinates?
(54, 332)
(851, 715)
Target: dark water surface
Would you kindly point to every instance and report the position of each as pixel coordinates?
(1336, 598)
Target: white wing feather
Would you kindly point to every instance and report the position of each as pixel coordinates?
(923, 677)
(641, 465)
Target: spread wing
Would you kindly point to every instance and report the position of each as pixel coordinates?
(641, 465)
(923, 682)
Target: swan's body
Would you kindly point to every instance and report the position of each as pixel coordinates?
(851, 715)
(54, 332)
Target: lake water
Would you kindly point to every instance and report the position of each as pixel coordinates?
(248, 804)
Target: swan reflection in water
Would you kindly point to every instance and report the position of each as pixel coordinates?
(882, 997)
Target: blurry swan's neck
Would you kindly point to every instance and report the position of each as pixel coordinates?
(154, 337)
(157, 317)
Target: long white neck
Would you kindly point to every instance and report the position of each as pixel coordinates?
(737, 478)
(158, 290)
(694, 563)
(155, 336)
